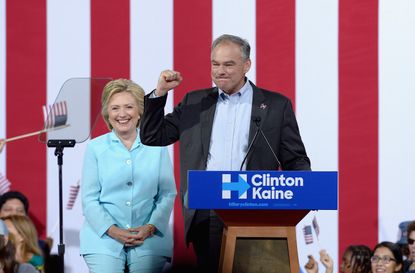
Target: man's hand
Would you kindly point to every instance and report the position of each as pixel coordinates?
(168, 80)
(124, 236)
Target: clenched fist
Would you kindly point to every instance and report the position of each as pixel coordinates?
(168, 80)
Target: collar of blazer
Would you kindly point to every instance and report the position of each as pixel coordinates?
(259, 109)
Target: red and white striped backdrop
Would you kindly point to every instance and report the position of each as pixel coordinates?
(348, 66)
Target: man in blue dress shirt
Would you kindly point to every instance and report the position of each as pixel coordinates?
(215, 127)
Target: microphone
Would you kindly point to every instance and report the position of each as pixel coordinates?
(257, 121)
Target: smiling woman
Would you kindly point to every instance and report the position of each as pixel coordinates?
(387, 258)
(127, 190)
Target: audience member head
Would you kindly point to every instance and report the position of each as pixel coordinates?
(403, 238)
(7, 251)
(118, 86)
(13, 203)
(23, 235)
(411, 241)
(387, 257)
(356, 259)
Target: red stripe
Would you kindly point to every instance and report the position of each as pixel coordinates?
(192, 41)
(358, 123)
(26, 74)
(110, 46)
(275, 46)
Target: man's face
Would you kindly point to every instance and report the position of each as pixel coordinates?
(411, 245)
(228, 67)
(12, 207)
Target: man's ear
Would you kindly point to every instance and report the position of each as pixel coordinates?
(247, 66)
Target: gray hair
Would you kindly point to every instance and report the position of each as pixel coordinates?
(227, 38)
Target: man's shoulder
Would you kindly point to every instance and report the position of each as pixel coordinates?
(197, 96)
(276, 95)
(202, 92)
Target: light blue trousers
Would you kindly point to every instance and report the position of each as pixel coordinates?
(101, 263)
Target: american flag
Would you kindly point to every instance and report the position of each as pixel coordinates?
(308, 234)
(316, 226)
(55, 115)
(73, 194)
(4, 184)
(347, 65)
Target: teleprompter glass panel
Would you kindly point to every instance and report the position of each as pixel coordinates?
(261, 255)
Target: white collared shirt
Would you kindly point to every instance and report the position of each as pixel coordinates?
(230, 130)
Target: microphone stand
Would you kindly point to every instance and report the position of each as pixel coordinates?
(270, 147)
(257, 121)
(59, 145)
(250, 147)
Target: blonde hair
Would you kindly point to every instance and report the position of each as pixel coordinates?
(27, 230)
(118, 86)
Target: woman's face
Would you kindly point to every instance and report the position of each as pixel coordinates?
(411, 246)
(346, 266)
(123, 113)
(12, 207)
(12, 230)
(381, 265)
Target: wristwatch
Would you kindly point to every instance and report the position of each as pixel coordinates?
(152, 229)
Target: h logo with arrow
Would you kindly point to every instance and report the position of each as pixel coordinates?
(241, 186)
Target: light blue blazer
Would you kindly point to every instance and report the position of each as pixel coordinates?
(127, 189)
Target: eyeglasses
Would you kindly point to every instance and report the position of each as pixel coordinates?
(384, 259)
(410, 241)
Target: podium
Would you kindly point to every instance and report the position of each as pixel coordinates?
(260, 211)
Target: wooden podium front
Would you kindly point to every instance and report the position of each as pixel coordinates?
(261, 228)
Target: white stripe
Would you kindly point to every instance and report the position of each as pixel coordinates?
(151, 40)
(151, 36)
(317, 103)
(396, 115)
(68, 56)
(236, 17)
(3, 82)
(317, 80)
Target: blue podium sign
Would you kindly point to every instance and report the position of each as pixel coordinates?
(266, 190)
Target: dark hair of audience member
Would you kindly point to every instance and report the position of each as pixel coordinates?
(360, 258)
(7, 255)
(15, 195)
(410, 228)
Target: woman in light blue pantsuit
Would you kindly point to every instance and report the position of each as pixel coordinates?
(127, 191)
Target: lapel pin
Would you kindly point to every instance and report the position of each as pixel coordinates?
(263, 106)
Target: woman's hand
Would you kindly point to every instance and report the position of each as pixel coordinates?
(128, 237)
(143, 232)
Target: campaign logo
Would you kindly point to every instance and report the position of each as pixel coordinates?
(241, 186)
